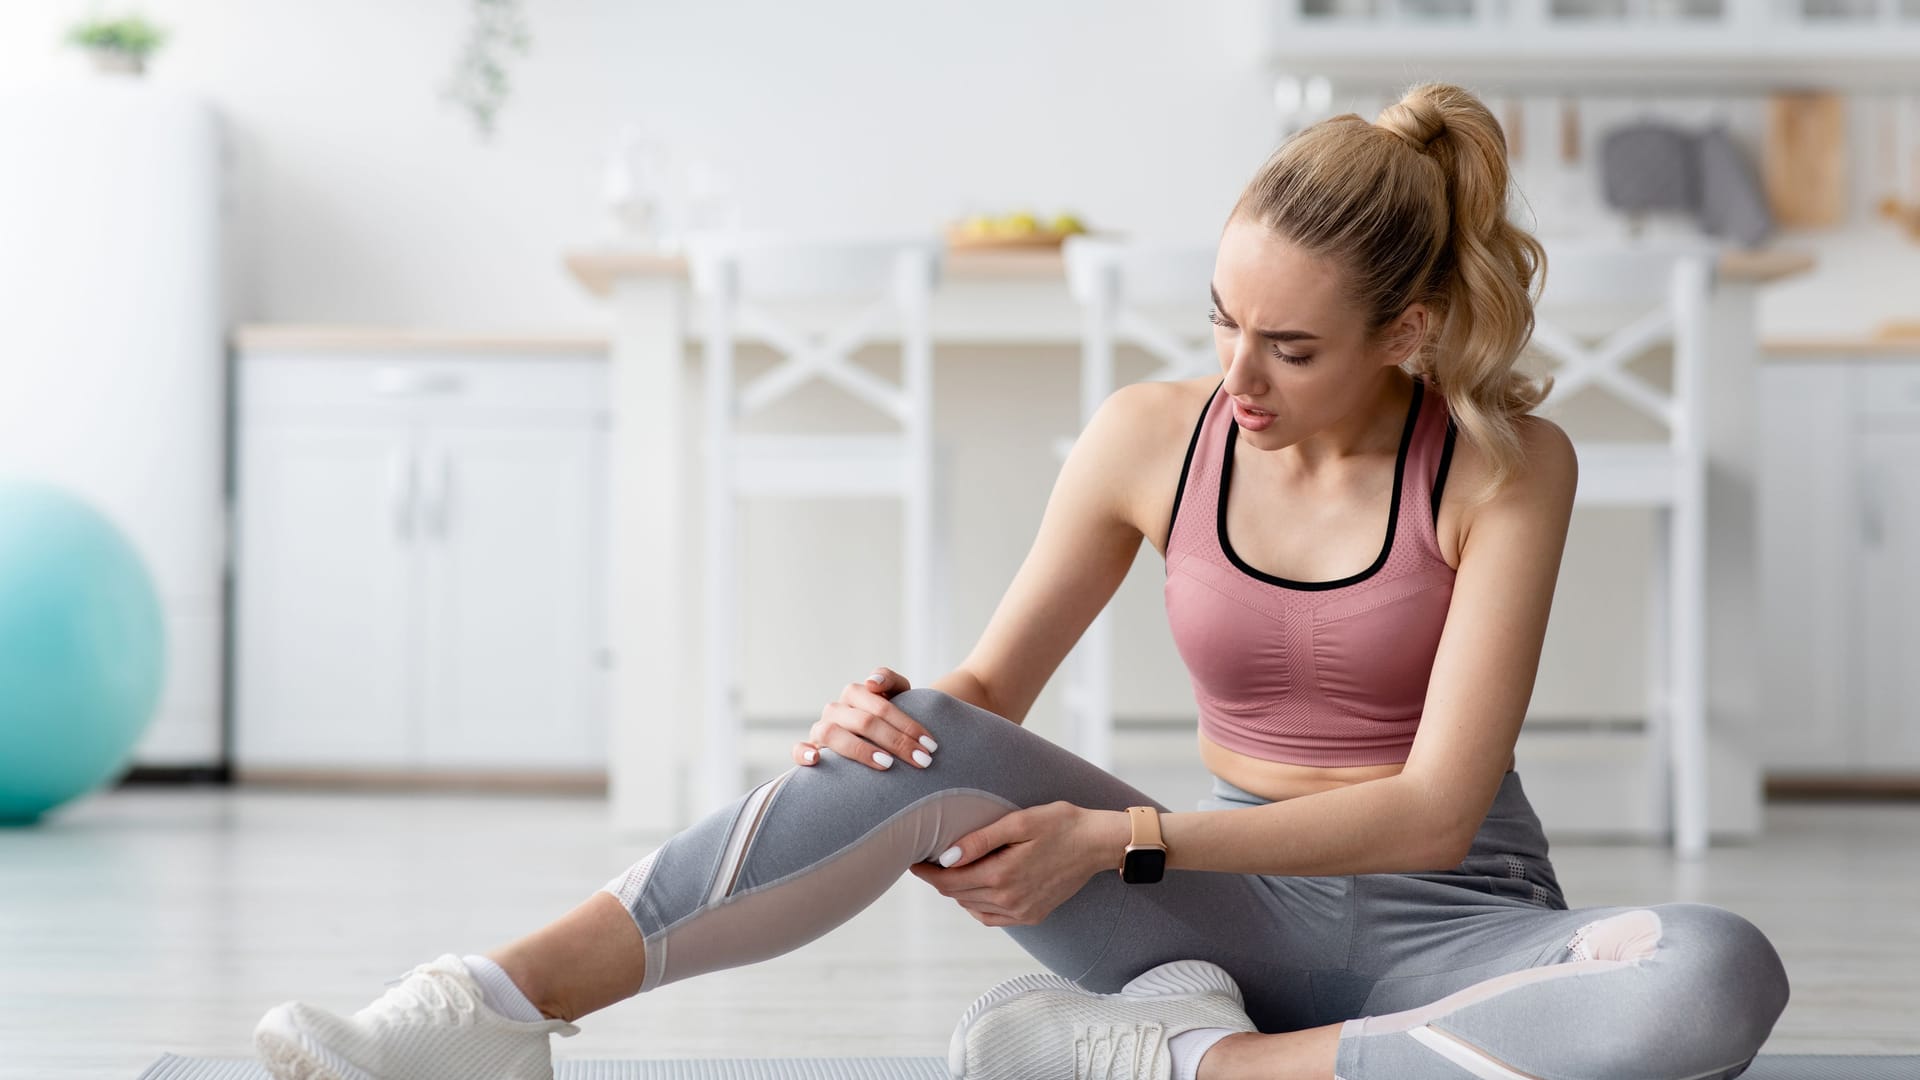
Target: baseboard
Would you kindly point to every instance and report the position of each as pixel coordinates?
(174, 775)
(1902, 787)
(476, 781)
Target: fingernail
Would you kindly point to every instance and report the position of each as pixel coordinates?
(876, 677)
(807, 754)
(925, 759)
(928, 742)
(883, 759)
(950, 856)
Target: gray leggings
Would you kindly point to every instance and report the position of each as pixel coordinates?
(1478, 971)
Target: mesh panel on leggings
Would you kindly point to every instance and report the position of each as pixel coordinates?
(628, 885)
(1577, 945)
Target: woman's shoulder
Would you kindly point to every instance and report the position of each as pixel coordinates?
(1147, 428)
(1166, 403)
(1545, 480)
(1160, 415)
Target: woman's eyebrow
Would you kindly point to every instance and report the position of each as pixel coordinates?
(1271, 335)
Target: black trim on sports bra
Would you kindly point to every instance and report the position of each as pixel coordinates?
(1180, 490)
(1440, 474)
(1393, 515)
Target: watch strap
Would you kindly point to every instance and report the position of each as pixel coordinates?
(1146, 825)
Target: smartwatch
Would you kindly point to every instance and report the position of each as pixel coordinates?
(1145, 860)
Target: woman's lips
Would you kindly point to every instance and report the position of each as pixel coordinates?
(1249, 418)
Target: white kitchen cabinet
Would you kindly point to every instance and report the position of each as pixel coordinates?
(1626, 45)
(1839, 518)
(322, 627)
(419, 561)
(511, 595)
(1887, 653)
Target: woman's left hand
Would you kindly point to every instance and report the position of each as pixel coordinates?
(1016, 870)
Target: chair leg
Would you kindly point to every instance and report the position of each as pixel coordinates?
(940, 566)
(1091, 707)
(1659, 677)
(720, 774)
(1690, 674)
(916, 594)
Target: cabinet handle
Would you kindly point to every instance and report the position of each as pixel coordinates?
(400, 492)
(439, 495)
(412, 382)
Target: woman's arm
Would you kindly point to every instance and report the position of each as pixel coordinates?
(1425, 817)
(1086, 544)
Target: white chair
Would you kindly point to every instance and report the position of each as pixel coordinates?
(1668, 475)
(1121, 287)
(890, 282)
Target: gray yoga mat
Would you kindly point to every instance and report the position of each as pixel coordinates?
(172, 1067)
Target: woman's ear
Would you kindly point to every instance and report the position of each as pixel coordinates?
(1405, 336)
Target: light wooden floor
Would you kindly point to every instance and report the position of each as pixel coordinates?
(151, 919)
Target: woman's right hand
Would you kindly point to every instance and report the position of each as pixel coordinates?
(864, 726)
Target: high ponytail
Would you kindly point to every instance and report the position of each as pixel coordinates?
(1413, 207)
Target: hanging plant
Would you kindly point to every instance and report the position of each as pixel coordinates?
(479, 82)
(119, 45)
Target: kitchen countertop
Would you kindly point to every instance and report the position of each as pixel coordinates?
(596, 268)
(344, 336)
(1881, 345)
(352, 337)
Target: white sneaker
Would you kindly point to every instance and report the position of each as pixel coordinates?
(434, 1023)
(1044, 1027)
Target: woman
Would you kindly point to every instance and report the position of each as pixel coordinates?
(1367, 893)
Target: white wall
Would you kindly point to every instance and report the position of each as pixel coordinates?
(359, 196)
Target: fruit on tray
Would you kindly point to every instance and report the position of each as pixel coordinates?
(1018, 225)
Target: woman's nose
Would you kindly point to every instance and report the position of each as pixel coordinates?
(1243, 372)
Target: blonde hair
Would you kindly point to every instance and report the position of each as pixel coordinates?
(1412, 206)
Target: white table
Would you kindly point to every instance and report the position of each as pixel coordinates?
(993, 298)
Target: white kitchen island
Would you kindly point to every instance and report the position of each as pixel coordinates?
(1021, 299)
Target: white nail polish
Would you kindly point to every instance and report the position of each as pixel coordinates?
(925, 759)
(927, 741)
(883, 759)
(876, 677)
(950, 856)
(807, 754)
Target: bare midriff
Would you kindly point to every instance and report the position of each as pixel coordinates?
(1279, 780)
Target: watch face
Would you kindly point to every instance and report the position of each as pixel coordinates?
(1143, 866)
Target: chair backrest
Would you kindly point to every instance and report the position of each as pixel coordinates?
(1662, 295)
(737, 274)
(1118, 284)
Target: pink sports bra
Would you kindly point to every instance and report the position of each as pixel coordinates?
(1322, 673)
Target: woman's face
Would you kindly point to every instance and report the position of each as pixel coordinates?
(1289, 345)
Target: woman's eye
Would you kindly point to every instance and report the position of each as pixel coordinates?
(1213, 316)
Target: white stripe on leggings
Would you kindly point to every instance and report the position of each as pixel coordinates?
(744, 826)
(1462, 1055)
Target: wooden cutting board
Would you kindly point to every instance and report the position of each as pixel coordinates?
(1805, 161)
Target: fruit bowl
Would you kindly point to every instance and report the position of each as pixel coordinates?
(1011, 232)
(960, 239)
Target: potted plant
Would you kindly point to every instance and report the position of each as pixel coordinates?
(480, 84)
(119, 46)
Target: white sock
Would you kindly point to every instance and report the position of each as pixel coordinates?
(1189, 1047)
(502, 996)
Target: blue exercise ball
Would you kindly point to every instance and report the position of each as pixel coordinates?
(81, 650)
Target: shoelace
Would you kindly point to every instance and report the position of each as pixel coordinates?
(437, 995)
(1116, 1051)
